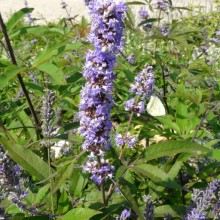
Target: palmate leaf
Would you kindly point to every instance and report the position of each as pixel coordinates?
(168, 148)
(27, 159)
(80, 213)
(16, 17)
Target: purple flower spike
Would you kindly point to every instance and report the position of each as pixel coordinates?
(100, 171)
(96, 96)
(137, 107)
(204, 202)
(107, 25)
(144, 82)
(129, 140)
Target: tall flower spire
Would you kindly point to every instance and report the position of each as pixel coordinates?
(96, 98)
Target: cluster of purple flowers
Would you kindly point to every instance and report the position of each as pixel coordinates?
(28, 15)
(165, 31)
(149, 209)
(99, 170)
(143, 14)
(142, 87)
(131, 59)
(11, 179)
(134, 106)
(96, 98)
(204, 202)
(128, 140)
(107, 25)
(144, 82)
(161, 4)
(124, 215)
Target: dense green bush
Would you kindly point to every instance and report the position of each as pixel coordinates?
(178, 135)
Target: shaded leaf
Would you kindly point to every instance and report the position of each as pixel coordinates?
(80, 213)
(155, 174)
(168, 148)
(9, 74)
(28, 160)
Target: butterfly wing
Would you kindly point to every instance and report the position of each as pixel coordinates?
(155, 107)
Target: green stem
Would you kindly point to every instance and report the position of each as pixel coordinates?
(129, 124)
(102, 185)
(51, 182)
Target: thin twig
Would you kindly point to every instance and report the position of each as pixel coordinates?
(129, 124)
(204, 115)
(24, 127)
(164, 89)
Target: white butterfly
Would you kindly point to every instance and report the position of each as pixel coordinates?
(155, 107)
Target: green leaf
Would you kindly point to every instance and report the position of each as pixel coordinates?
(55, 74)
(16, 17)
(42, 193)
(28, 160)
(125, 190)
(54, 50)
(168, 123)
(63, 203)
(135, 3)
(66, 172)
(215, 154)
(35, 88)
(149, 20)
(129, 75)
(155, 174)
(131, 17)
(175, 211)
(77, 183)
(68, 127)
(80, 213)
(9, 74)
(168, 148)
(34, 31)
(173, 172)
(198, 66)
(182, 115)
(121, 171)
